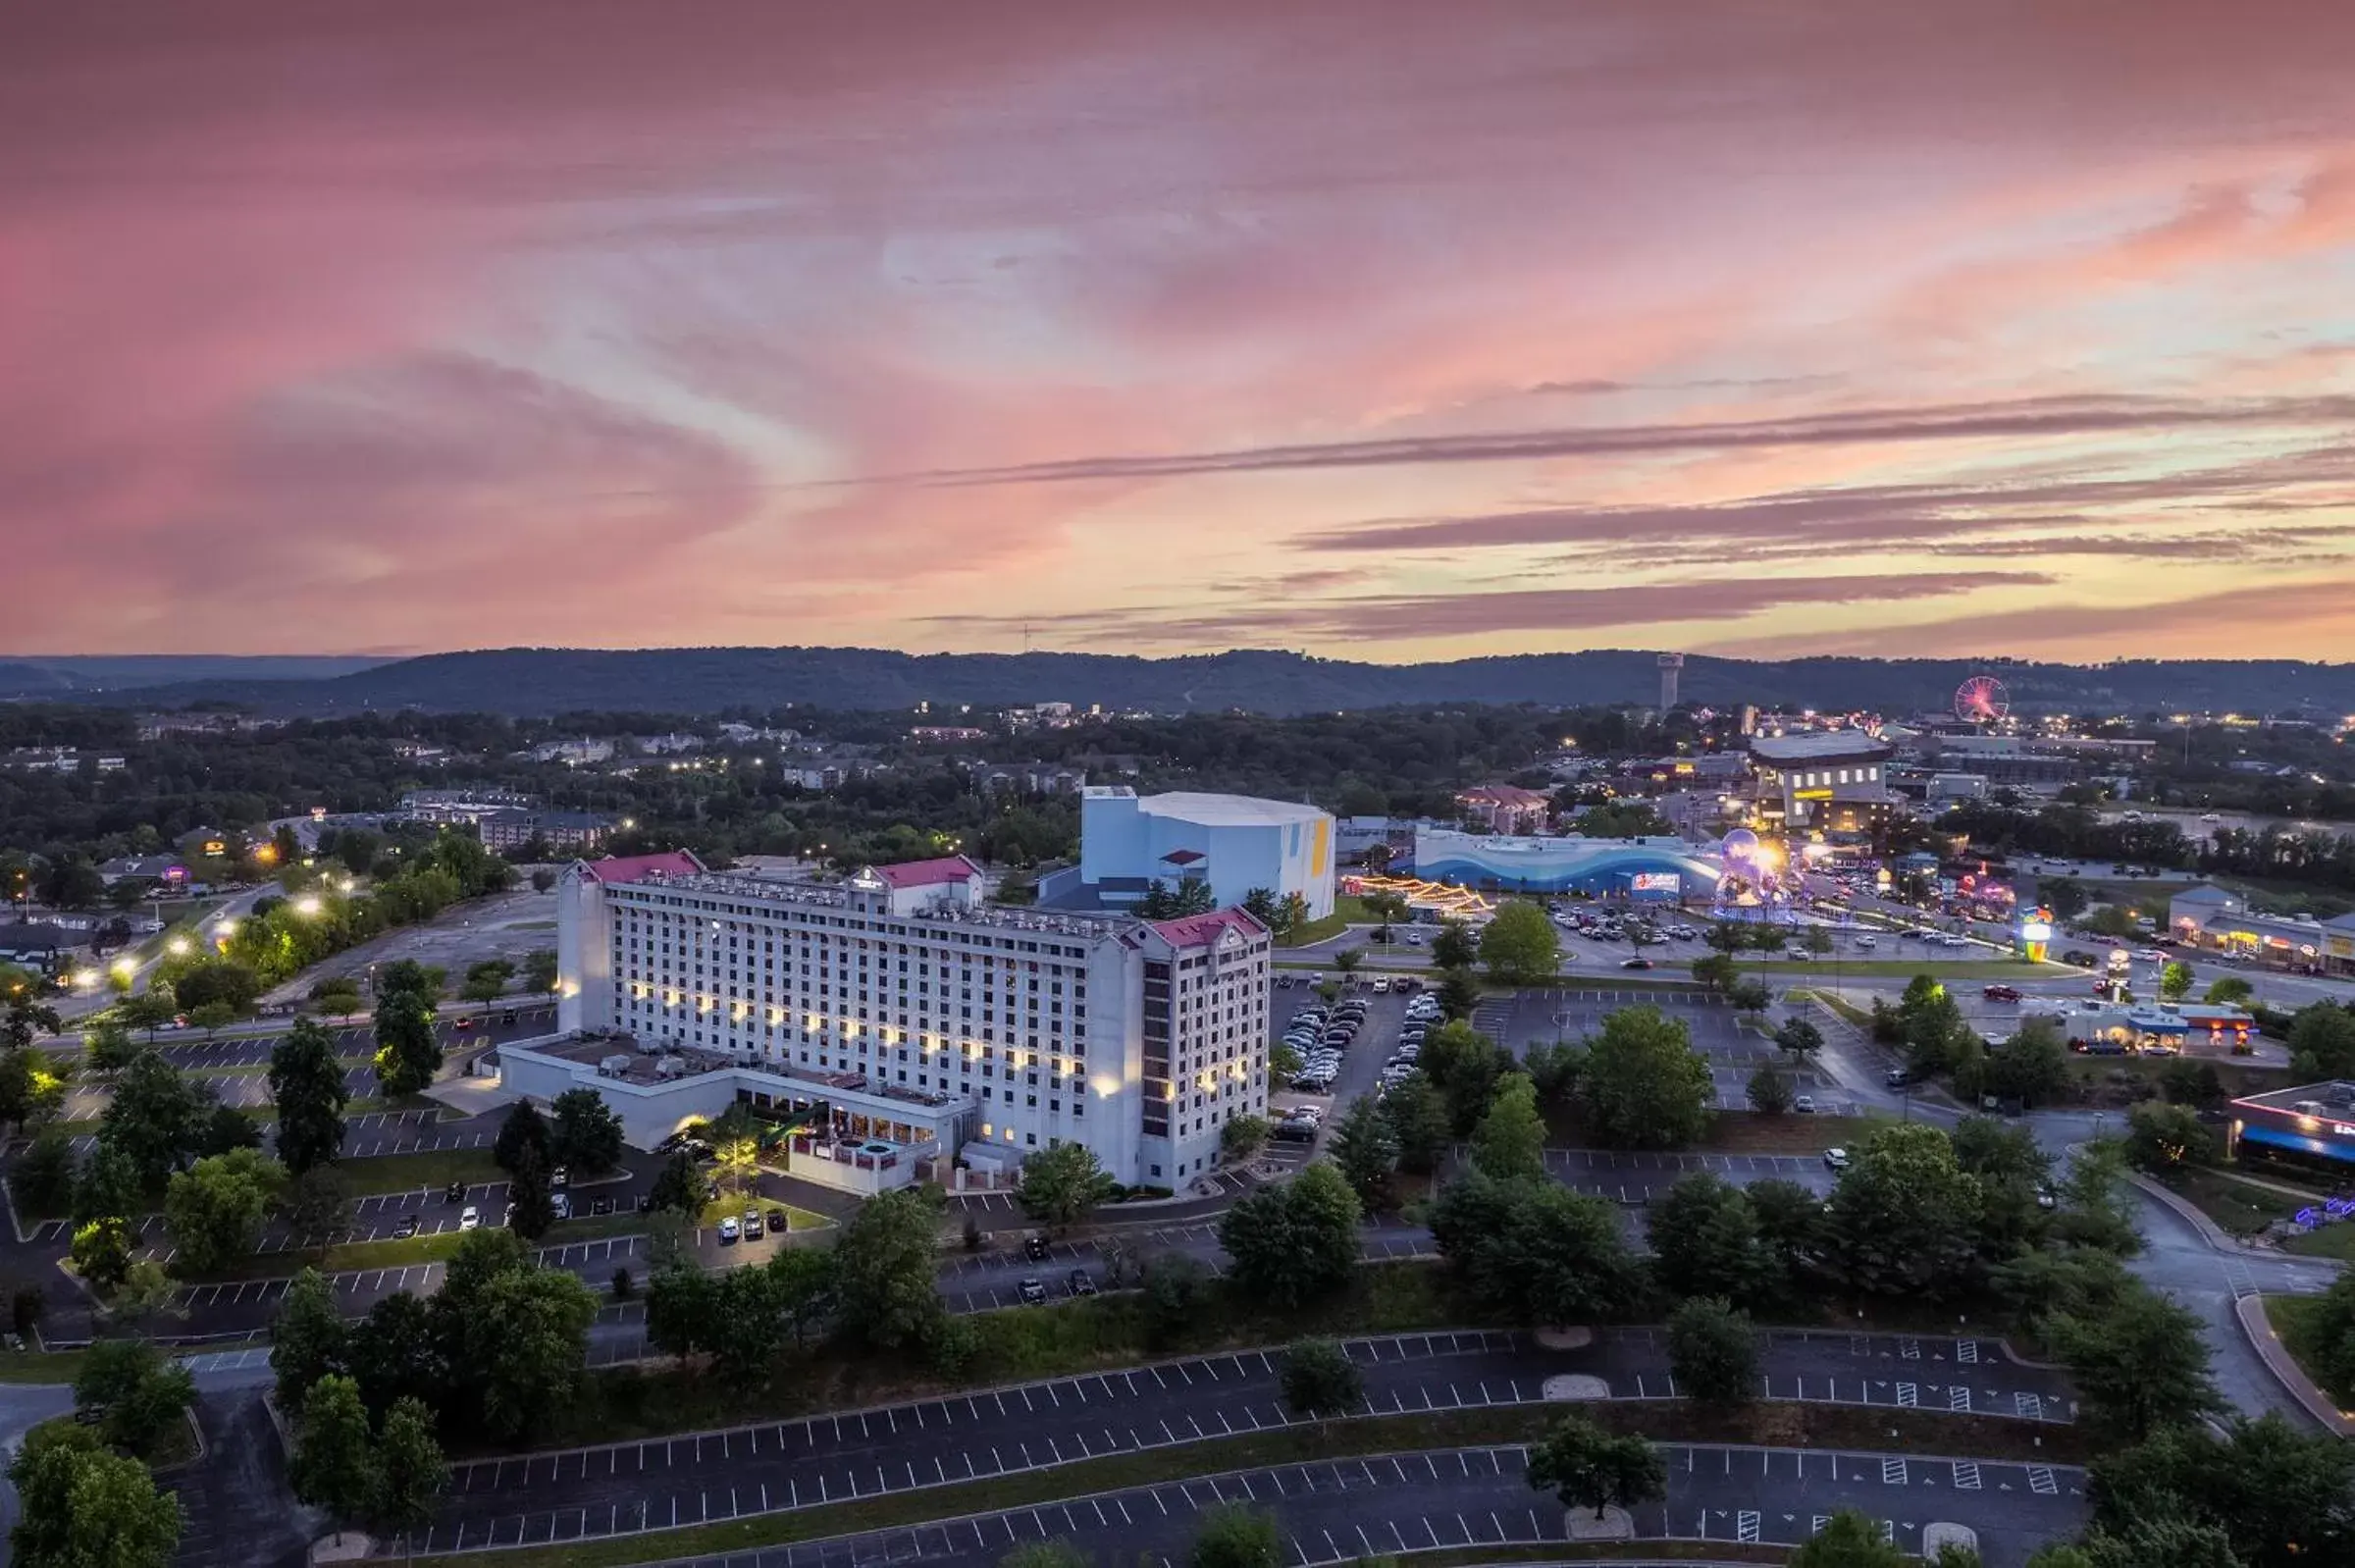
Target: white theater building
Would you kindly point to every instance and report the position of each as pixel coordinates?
(912, 1020)
(1235, 843)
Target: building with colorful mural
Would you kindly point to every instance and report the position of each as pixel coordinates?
(1663, 869)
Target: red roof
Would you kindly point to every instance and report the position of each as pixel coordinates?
(927, 873)
(619, 868)
(1201, 930)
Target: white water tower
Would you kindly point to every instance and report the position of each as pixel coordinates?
(1672, 669)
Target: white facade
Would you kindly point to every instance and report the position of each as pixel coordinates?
(1139, 1039)
(1232, 841)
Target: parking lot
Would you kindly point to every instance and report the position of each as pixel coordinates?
(1734, 1050)
(779, 1466)
(1471, 1500)
(1638, 1179)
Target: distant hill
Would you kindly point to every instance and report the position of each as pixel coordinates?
(527, 681)
(41, 676)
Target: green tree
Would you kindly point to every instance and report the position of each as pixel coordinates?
(678, 1186)
(1417, 1117)
(410, 1472)
(409, 1051)
(2282, 1495)
(2322, 1042)
(1849, 1540)
(1713, 1352)
(531, 1197)
(884, 1268)
(81, 1505)
(1907, 1215)
(1717, 971)
(1792, 1227)
(1387, 908)
(1320, 1378)
(215, 1208)
(1705, 1241)
(23, 1019)
(1348, 960)
(212, 1017)
(1519, 946)
(1749, 994)
(148, 1010)
(1178, 1295)
(1458, 993)
(101, 1253)
(306, 1084)
(1454, 948)
(1644, 1087)
(529, 1353)
(2174, 981)
(2032, 1067)
(1587, 1467)
(2184, 1082)
(1768, 1091)
(487, 981)
(1464, 1066)
(109, 1047)
(540, 969)
(42, 1181)
(157, 1118)
(1533, 1252)
(109, 1184)
(1063, 1186)
(1291, 1244)
(136, 1396)
(1241, 1137)
(1555, 1071)
(1235, 1537)
(2328, 1340)
(524, 1128)
(585, 1134)
(2166, 1137)
(1799, 1038)
(308, 1339)
(1510, 1141)
(2138, 1367)
(2228, 990)
(334, 1469)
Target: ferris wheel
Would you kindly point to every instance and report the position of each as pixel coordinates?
(1981, 699)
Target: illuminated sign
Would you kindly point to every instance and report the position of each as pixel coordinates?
(1810, 795)
(2035, 931)
(1654, 882)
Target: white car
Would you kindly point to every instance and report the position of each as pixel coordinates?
(1804, 1105)
(728, 1230)
(1837, 1159)
(470, 1217)
(1382, 983)
(1866, 942)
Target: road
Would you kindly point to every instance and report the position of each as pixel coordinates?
(779, 1466)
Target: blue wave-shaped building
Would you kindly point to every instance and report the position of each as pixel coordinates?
(1641, 868)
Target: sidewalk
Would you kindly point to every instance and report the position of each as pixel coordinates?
(2285, 1366)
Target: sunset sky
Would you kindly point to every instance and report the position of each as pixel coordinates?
(1388, 331)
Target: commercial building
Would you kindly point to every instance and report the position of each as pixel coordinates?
(2212, 920)
(1505, 808)
(2315, 1121)
(514, 827)
(916, 1024)
(1823, 781)
(1233, 843)
(1639, 867)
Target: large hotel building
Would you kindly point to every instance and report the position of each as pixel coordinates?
(913, 1022)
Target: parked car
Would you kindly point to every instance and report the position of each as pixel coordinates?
(558, 1176)
(1382, 983)
(779, 1222)
(1035, 1247)
(2001, 993)
(406, 1228)
(1034, 1292)
(469, 1218)
(1804, 1104)
(601, 1204)
(1082, 1282)
(455, 1192)
(727, 1230)
(1836, 1159)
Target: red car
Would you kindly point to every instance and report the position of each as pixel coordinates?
(2001, 993)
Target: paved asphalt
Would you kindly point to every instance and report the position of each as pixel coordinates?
(772, 1466)
(1356, 1510)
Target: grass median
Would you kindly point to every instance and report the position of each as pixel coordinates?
(1788, 1426)
(2293, 1319)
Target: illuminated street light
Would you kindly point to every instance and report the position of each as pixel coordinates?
(88, 979)
(178, 947)
(124, 967)
(308, 903)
